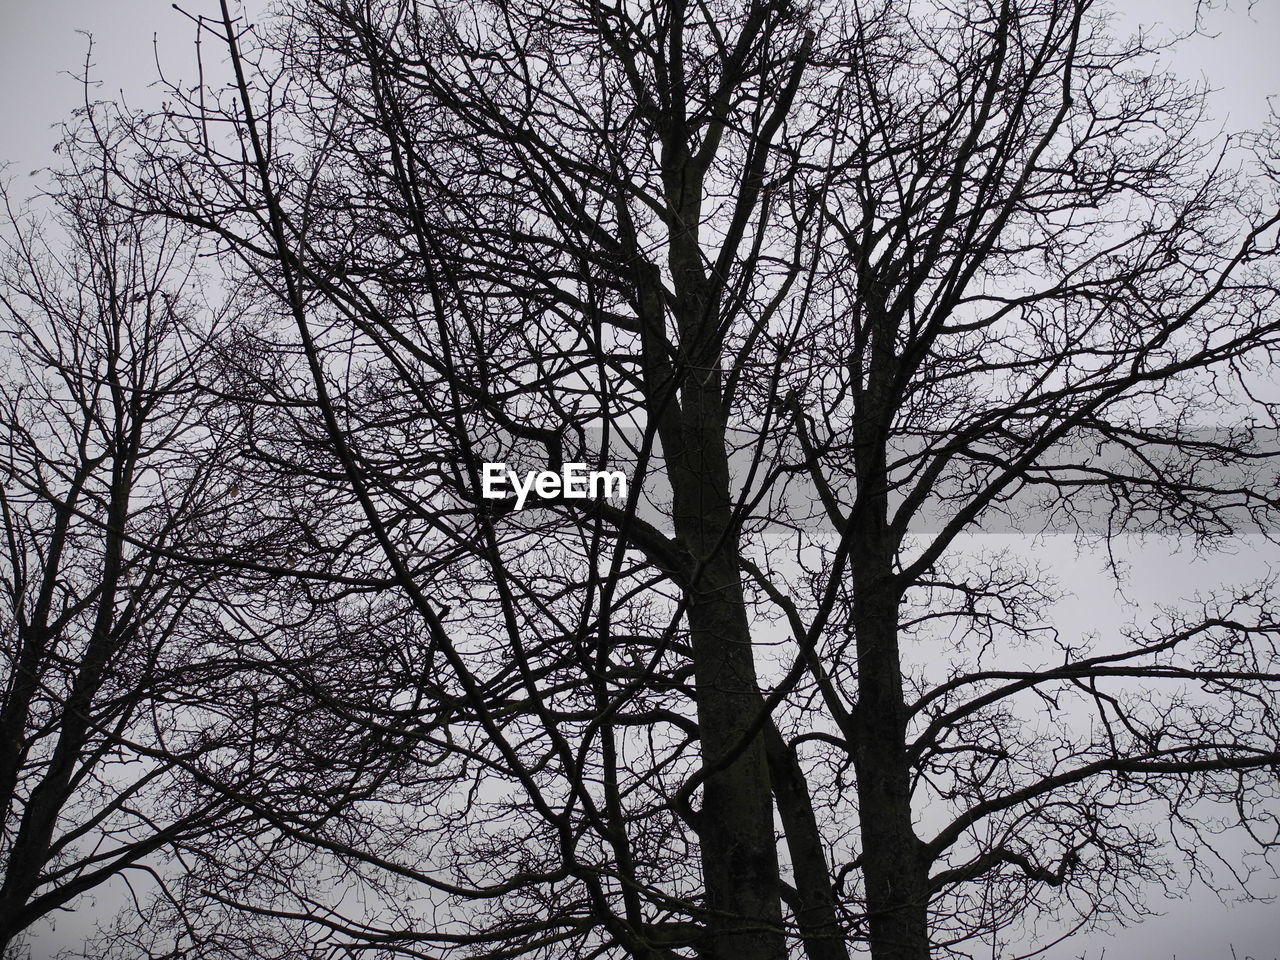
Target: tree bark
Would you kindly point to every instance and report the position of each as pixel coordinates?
(894, 866)
(739, 854)
(893, 861)
(814, 908)
(736, 829)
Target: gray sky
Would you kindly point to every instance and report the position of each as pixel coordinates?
(42, 52)
(41, 45)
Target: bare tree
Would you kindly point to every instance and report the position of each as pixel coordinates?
(107, 466)
(836, 284)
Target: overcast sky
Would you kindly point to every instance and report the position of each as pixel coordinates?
(43, 43)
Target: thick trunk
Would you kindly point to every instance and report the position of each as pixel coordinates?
(893, 865)
(740, 865)
(739, 855)
(736, 835)
(894, 868)
(684, 396)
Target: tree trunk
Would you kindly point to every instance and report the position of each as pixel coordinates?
(739, 855)
(814, 908)
(893, 865)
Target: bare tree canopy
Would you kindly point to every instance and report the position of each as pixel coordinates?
(834, 286)
(99, 412)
